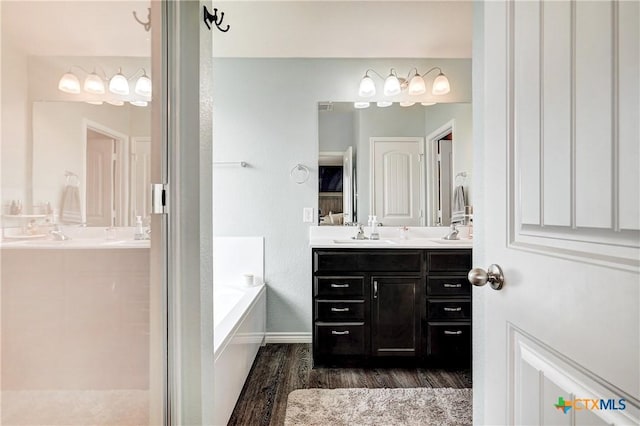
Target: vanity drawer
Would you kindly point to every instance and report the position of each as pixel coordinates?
(339, 286)
(339, 310)
(339, 339)
(335, 261)
(449, 340)
(449, 260)
(376, 260)
(448, 286)
(448, 309)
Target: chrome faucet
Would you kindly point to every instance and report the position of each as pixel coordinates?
(360, 235)
(58, 235)
(453, 233)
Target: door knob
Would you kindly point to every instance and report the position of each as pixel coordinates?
(493, 275)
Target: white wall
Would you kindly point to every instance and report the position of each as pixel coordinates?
(336, 130)
(14, 151)
(273, 127)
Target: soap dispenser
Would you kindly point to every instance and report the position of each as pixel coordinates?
(139, 232)
(374, 228)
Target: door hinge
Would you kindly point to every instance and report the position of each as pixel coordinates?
(158, 198)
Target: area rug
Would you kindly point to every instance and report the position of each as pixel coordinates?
(411, 406)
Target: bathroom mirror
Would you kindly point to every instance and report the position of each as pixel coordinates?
(91, 162)
(409, 166)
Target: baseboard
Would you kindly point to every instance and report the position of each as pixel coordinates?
(299, 337)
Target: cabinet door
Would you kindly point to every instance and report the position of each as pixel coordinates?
(396, 312)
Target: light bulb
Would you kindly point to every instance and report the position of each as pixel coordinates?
(143, 86)
(94, 84)
(69, 83)
(367, 87)
(116, 103)
(417, 85)
(361, 105)
(391, 85)
(119, 84)
(139, 103)
(95, 102)
(441, 85)
(384, 104)
(406, 103)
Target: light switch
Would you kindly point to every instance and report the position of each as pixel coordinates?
(307, 214)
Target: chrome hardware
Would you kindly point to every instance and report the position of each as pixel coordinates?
(448, 309)
(375, 289)
(339, 285)
(493, 275)
(339, 309)
(158, 198)
(339, 333)
(360, 235)
(453, 233)
(446, 285)
(453, 333)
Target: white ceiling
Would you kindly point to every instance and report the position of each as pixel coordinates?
(345, 29)
(76, 28)
(313, 29)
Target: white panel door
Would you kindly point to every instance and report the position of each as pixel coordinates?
(100, 181)
(347, 185)
(397, 181)
(140, 176)
(555, 144)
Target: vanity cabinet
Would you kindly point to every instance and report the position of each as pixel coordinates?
(448, 331)
(390, 306)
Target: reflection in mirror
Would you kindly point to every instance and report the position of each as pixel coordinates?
(102, 150)
(408, 166)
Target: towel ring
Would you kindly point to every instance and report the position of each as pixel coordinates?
(299, 173)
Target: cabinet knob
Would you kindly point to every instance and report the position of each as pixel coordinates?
(493, 275)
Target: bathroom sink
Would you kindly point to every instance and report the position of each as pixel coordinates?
(364, 242)
(462, 241)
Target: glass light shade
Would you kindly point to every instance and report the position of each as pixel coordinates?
(95, 102)
(427, 103)
(94, 84)
(391, 85)
(143, 86)
(384, 104)
(367, 87)
(116, 103)
(119, 85)
(139, 103)
(441, 85)
(69, 83)
(406, 103)
(361, 105)
(417, 85)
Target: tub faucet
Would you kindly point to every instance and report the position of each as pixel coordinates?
(453, 233)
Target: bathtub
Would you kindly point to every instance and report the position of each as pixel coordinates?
(239, 330)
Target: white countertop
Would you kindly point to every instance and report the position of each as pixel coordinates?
(81, 238)
(417, 237)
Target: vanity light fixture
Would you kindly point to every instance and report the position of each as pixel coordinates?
(427, 103)
(69, 83)
(119, 84)
(414, 83)
(361, 105)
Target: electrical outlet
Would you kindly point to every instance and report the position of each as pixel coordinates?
(307, 214)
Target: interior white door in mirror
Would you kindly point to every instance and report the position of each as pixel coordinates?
(397, 181)
(100, 178)
(347, 185)
(558, 144)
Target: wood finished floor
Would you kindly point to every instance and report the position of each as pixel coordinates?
(282, 368)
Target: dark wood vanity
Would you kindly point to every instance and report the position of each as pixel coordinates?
(391, 307)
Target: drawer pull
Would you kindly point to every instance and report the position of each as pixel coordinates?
(454, 333)
(448, 309)
(333, 285)
(339, 333)
(447, 285)
(339, 309)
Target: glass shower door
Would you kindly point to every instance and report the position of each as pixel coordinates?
(82, 319)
